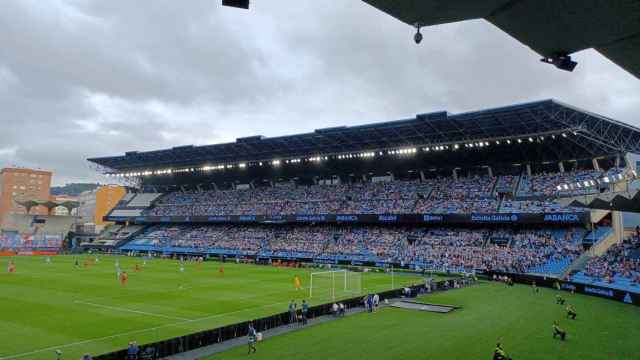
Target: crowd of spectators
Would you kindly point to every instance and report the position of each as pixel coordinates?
(619, 261)
(463, 249)
(535, 206)
(546, 184)
(433, 248)
(445, 195)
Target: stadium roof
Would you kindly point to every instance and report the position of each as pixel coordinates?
(551, 28)
(49, 204)
(628, 201)
(586, 135)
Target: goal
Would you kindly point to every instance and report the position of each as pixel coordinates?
(336, 283)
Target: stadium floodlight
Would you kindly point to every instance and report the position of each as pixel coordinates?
(530, 139)
(242, 165)
(561, 61)
(509, 142)
(553, 137)
(456, 147)
(564, 135)
(519, 141)
(275, 162)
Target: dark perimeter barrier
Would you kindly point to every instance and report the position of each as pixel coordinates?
(214, 336)
(579, 288)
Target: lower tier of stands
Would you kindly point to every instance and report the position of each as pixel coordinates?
(618, 267)
(456, 249)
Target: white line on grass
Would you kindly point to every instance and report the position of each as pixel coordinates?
(117, 308)
(51, 348)
(155, 328)
(185, 322)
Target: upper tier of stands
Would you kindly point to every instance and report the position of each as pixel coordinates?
(434, 248)
(143, 199)
(476, 194)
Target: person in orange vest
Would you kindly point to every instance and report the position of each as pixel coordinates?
(296, 282)
(123, 278)
(221, 270)
(137, 268)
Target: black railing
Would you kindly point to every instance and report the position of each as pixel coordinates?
(214, 336)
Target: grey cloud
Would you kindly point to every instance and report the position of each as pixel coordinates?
(83, 78)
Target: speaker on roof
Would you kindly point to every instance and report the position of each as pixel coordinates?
(243, 4)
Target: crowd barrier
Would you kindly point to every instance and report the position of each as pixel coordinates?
(197, 340)
(580, 288)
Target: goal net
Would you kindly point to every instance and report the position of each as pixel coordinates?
(334, 284)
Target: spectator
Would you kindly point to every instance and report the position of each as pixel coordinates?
(132, 351)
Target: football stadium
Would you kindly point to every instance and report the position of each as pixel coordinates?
(448, 209)
(497, 233)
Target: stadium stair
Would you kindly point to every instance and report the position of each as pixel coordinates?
(517, 186)
(552, 266)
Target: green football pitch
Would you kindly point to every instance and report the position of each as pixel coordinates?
(490, 312)
(45, 307)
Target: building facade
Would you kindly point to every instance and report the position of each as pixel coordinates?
(61, 210)
(19, 184)
(96, 204)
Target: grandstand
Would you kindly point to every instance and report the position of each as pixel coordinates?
(434, 199)
(451, 192)
(27, 233)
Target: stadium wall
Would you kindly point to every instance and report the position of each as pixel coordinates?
(626, 297)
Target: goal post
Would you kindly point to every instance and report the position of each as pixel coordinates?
(334, 283)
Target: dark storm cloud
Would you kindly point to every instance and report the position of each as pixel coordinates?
(89, 78)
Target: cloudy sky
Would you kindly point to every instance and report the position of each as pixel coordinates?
(82, 78)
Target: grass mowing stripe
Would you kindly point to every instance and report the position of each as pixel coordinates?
(116, 308)
(40, 299)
